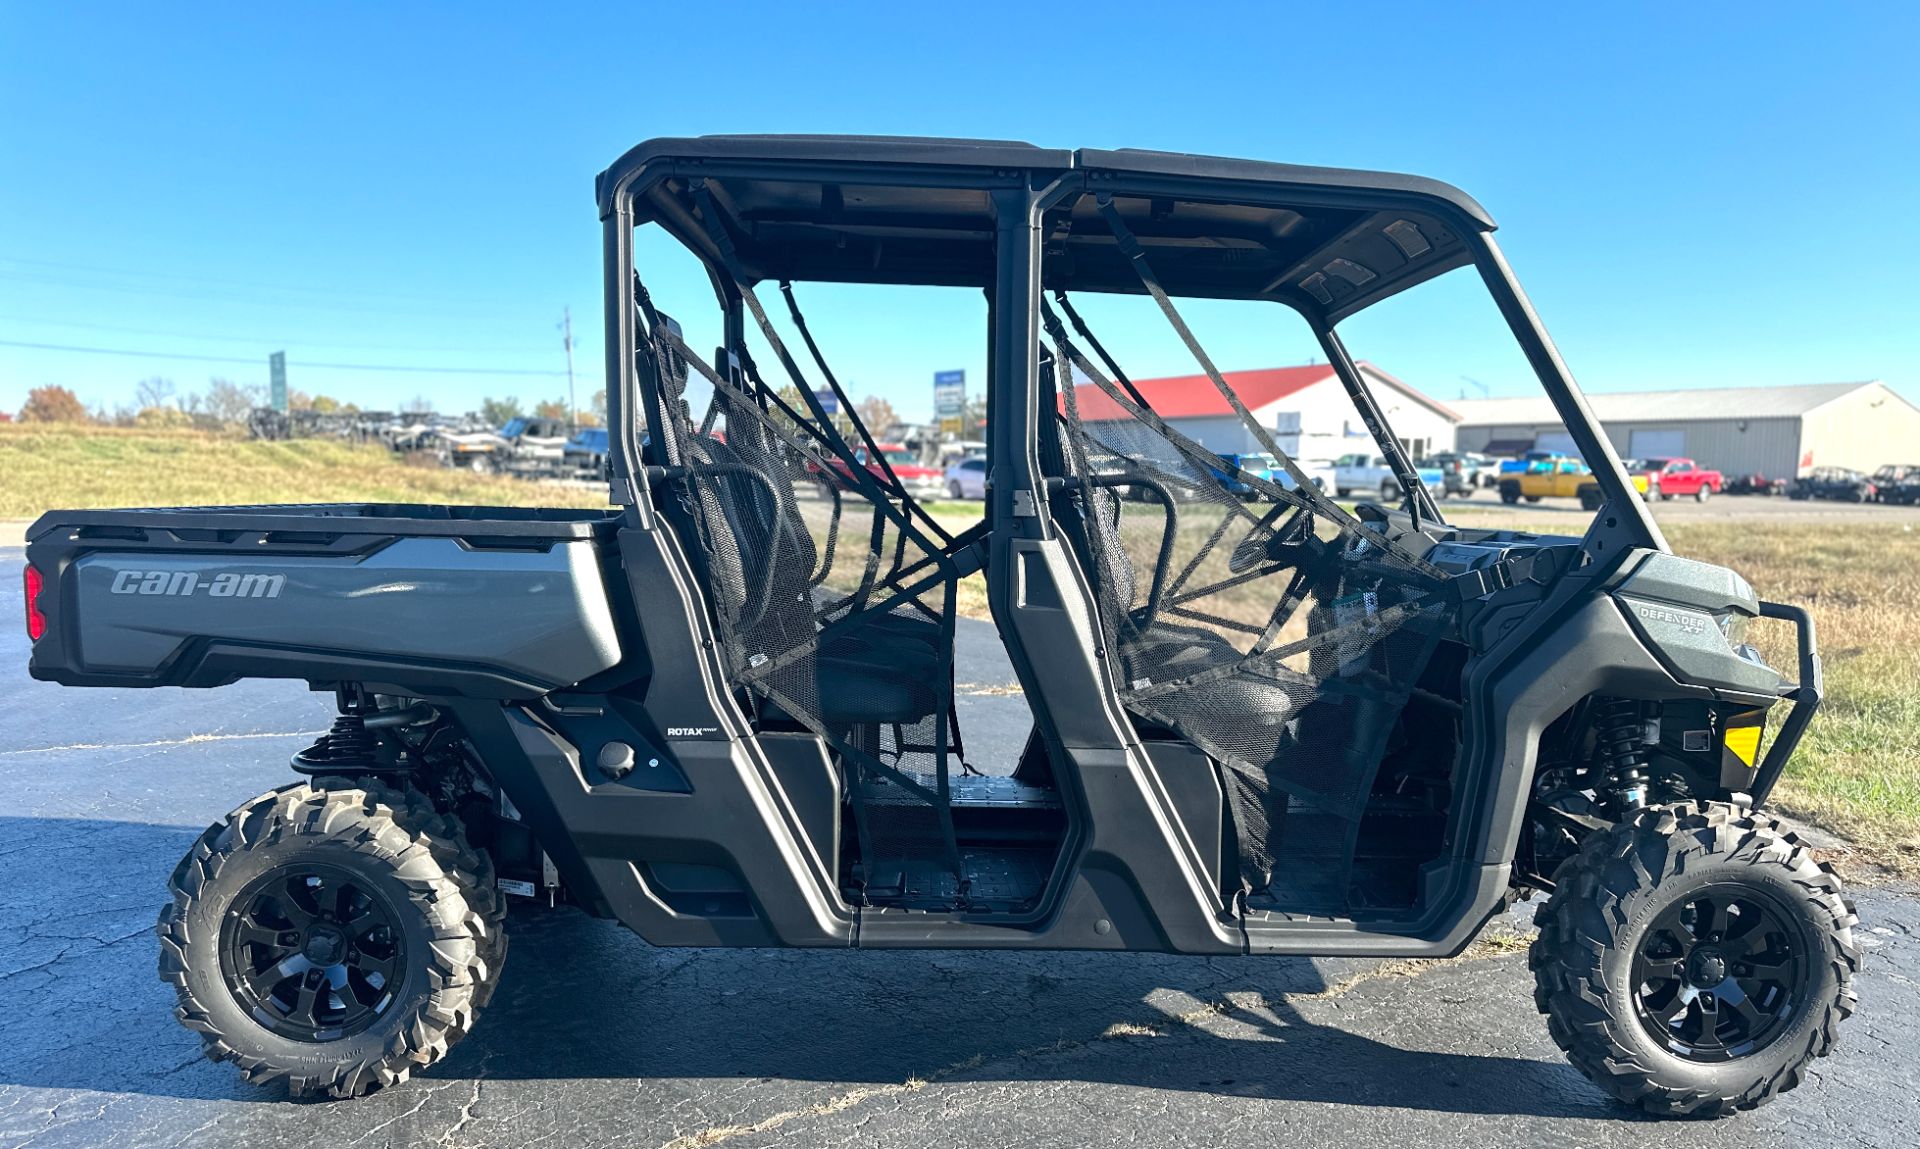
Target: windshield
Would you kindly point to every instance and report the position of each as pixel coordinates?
(899, 456)
(1448, 341)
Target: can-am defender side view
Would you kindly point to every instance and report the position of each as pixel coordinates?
(724, 713)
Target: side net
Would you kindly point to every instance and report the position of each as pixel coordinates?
(833, 604)
(1249, 615)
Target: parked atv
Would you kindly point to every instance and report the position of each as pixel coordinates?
(724, 713)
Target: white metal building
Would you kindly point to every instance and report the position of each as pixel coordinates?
(1779, 432)
(1305, 408)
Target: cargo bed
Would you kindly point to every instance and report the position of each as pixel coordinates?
(497, 602)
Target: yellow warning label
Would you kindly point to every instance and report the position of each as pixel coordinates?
(1744, 741)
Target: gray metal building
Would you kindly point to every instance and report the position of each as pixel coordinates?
(1779, 432)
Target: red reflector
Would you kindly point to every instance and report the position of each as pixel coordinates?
(36, 622)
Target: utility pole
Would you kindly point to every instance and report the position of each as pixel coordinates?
(566, 339)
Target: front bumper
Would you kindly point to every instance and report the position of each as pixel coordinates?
(1805, 695)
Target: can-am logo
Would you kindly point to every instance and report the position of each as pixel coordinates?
(186, 584)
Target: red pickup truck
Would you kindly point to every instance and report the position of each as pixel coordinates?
(1675, 477)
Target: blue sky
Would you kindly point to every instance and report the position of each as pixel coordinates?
(1695, 195)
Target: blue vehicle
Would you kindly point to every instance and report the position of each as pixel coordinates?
(1264, 466)
(586, 451)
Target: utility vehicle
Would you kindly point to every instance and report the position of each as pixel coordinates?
(723, 714)
(1837, 483)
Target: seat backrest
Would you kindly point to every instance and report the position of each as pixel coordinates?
(755, 553)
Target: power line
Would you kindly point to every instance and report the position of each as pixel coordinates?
(255, 298)
(264, 341)
(256, 362)
(134, 273)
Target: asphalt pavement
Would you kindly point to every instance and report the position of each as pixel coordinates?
(597, 1039)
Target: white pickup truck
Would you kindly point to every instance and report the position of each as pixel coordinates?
(1369, 475)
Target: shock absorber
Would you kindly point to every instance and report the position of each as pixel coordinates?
(1620, 725)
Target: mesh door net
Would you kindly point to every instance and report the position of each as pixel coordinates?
(833, 606)
(1247, 614)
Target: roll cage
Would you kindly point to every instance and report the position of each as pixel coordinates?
(1328, 243)
(1106, 669)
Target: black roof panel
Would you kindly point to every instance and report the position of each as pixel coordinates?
(956, 152)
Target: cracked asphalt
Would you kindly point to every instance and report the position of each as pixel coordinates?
(597, 1039)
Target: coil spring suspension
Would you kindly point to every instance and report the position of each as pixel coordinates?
(347, 745)
(1621, 727)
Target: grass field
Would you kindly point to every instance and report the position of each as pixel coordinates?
(1858, 772)
(44, 466)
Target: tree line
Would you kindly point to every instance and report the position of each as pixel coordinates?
(159, 403)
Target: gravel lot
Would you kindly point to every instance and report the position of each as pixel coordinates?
(597, 1039)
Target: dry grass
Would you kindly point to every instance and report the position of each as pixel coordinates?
(1858, 772)
(43, 467)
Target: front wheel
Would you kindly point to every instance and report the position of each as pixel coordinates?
(1695, 959)
(337, 936)
(1703, 494)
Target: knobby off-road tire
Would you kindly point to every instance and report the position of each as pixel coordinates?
(394, 851)
(1630, 878)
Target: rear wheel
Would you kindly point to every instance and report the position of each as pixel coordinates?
(1694, 959)
(953, 490)
(336, 936)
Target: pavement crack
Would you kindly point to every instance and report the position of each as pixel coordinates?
(1493, 943)
(189, 740)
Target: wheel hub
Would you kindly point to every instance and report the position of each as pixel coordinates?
(324, 945)
(313, 952)
(1706, 968)
(1720, 973)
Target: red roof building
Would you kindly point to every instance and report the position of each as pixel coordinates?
(1304, 408)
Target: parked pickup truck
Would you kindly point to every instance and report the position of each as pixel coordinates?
(1559, 476)
(1367, 475)
(1672, 478)
(379, 593)
(533, 446)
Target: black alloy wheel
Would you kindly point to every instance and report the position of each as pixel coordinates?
(1720, 973)
(313, 953)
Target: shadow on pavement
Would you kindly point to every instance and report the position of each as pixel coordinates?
(584, 999)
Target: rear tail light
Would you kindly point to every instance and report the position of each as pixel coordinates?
(36, 621)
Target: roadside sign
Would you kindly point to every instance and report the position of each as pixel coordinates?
(949, 394)
(954, 426)
(277, 371)
(829, 402)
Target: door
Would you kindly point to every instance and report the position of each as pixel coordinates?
(1651, 443)
(1559, 442)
